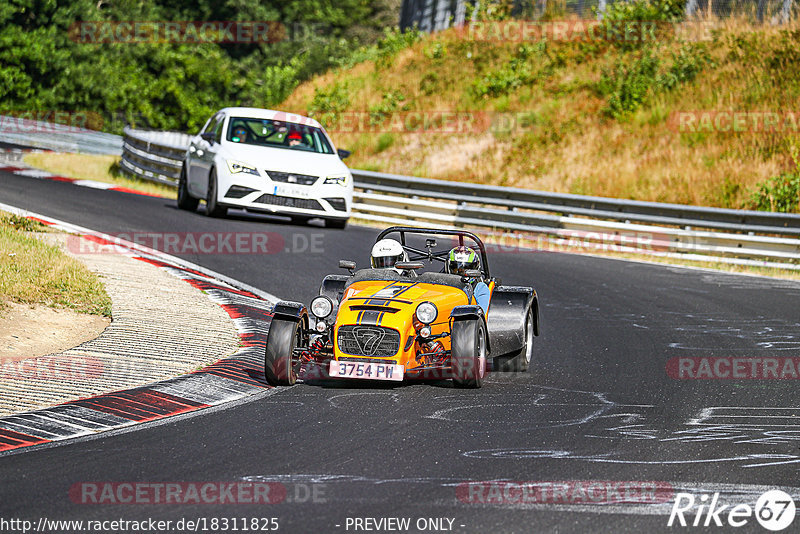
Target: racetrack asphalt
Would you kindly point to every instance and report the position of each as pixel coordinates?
(596, 405)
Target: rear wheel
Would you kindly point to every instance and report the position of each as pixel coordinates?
(519, 361)
(213, 209)
(468, 352)
(185, 200)
(280, 363)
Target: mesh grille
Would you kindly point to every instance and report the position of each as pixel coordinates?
(362, 340)
(290, 202)
(367, 360)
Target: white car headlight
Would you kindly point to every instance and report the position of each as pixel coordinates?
(427, 313)
(321, 307)
(237, 166)
(336, 180)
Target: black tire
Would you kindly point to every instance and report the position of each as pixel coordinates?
(185, 200)
(468, 352)
(213, 209)
(519, 361)
(341, 224)
(280, 366)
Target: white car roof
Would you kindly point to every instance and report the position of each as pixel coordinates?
(271, 114)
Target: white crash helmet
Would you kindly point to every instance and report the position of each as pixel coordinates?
(386, 253)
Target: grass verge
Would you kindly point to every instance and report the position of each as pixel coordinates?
(33, 272)
(93, 167)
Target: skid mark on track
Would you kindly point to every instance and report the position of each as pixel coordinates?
(616, 433)
(337, 401)
(542, 407)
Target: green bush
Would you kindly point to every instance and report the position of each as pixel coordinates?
(517, 72)
(382, 52)
(332, 99)
(385, 140)
(686, 65)
(628, 84)
(170, 85)
(645, 10)
(780, 193)
(632, 80)
(391, 102)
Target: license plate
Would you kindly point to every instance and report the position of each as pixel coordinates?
(368, 371)
(292, 191)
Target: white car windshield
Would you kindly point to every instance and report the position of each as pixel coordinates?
(277, 134)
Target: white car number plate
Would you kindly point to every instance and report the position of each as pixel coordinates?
(369, 371)
(292, 191)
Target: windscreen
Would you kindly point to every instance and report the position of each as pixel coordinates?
(277, 134)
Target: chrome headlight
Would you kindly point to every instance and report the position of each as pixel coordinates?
(236, 167)
(426, 312)
(321, 307)
(336, 180)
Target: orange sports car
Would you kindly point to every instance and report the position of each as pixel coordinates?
(408, 321)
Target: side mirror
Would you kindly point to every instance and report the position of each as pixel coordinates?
(343, 153)
(208, 136)
(409, 265)
(347, 264)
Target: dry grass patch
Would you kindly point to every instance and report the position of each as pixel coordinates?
(94, 167)
(33, 272)
(575, 142)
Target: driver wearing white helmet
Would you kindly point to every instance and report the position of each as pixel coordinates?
(385, 255)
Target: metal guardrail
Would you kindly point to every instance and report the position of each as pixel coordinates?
(28, 132)
(733, 236)
(154, 156)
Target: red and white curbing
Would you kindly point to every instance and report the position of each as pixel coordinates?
(44, 175)
(229, 379)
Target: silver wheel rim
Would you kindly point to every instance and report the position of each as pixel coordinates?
(528, 339)
(481, 354)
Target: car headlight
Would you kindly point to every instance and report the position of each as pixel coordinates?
(336, 180)
(426, 312)
(321, 307)
(236, 167)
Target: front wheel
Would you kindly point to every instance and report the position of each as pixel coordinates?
(213, 209)
(280, 364)
(468, 352)
(185, 200)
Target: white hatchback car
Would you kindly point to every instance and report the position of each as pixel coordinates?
(266, 161)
